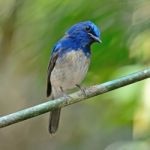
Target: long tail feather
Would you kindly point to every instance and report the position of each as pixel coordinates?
(54, 120)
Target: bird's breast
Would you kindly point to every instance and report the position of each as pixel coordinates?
(70, 69)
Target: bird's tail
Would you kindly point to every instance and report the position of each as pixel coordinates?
(54, 120)
(54, 114)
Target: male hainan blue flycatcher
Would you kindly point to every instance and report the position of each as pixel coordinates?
(69, 63)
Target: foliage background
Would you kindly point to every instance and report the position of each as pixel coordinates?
(28, 31)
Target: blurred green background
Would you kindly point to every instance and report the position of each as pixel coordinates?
(28, 31)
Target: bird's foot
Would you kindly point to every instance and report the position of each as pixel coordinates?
(66, 96)
(81, 89)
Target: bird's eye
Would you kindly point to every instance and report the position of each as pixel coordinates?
(88, 28)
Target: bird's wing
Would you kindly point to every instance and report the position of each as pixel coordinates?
(51, 66)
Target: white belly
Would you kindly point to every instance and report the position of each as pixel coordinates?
(70, 70)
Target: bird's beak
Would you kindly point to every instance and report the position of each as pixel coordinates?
(95, 38)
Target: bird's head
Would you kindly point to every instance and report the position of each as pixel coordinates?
(85, 32)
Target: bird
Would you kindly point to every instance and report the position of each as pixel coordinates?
(69, 62)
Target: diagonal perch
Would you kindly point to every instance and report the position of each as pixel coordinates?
(75, 97)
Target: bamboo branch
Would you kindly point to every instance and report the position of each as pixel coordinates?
(74, 98)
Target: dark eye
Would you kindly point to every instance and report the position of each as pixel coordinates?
(88, 28)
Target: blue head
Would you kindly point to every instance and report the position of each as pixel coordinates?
(84, 33)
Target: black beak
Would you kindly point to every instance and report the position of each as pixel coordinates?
(95, 38)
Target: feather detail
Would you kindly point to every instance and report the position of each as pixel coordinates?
(50, 68)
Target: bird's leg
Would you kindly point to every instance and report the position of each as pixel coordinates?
(81, 89)
(64, 94)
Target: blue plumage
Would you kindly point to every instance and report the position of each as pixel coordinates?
(69, 62)
(77, 37)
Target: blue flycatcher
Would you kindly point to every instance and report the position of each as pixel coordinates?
(69, 63)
